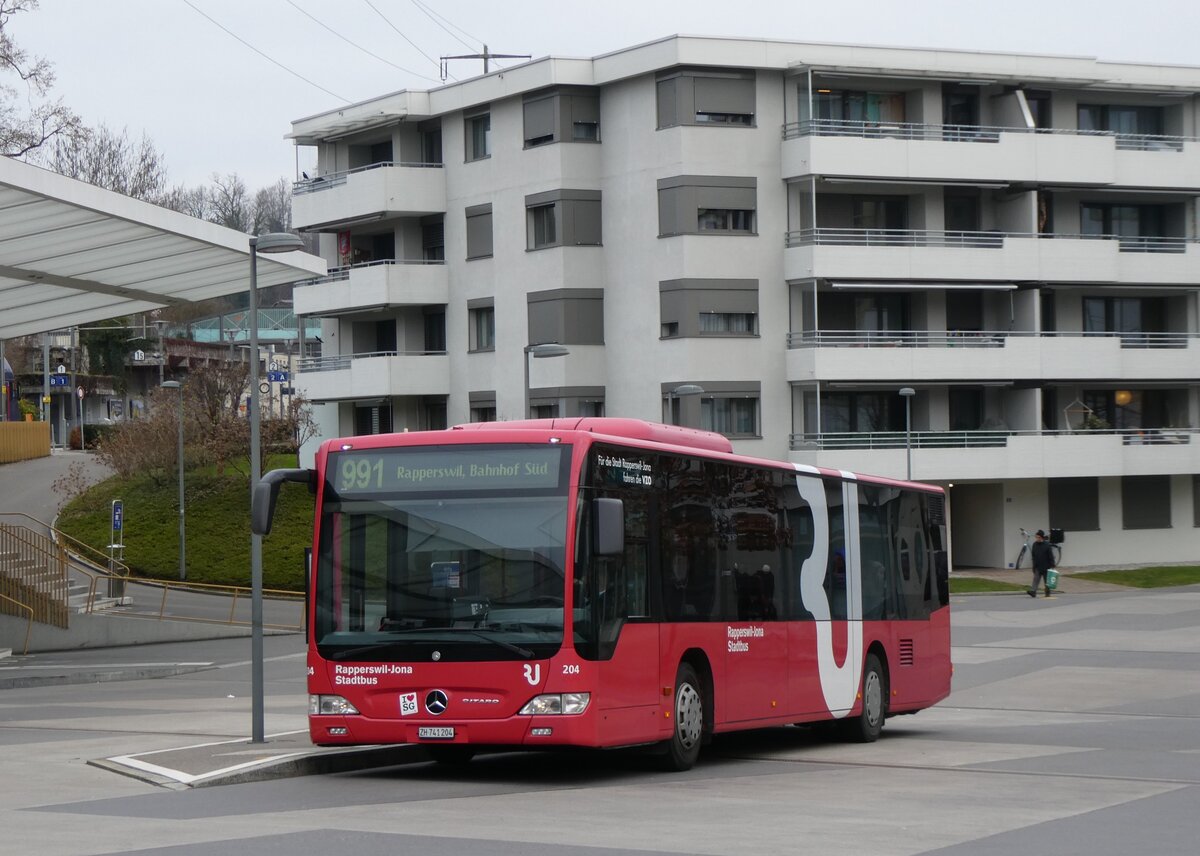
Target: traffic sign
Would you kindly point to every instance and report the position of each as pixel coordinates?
(60, 380)
(79, 392)
(118, 515)
(277, 376)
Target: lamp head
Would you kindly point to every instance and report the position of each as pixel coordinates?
(276, 242)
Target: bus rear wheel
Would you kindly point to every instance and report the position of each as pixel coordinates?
(682, 750)
(865, 727)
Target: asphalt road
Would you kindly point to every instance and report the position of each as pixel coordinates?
(1071, 730)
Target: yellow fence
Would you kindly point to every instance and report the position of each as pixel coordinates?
(20, 441)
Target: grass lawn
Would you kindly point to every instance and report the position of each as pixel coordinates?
(972, 585)
(1184, 575)
(217, 527)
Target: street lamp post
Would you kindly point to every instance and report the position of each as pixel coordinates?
(677, 392)
(908, 392)
(550, 349)
(176, 385)
(272, 242)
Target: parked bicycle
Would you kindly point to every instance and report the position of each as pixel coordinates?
(1027, 546)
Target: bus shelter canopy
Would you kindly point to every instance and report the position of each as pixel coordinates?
(73, 254)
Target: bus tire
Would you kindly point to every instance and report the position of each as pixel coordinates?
(865, 727)
(687, 733)
(451, 754)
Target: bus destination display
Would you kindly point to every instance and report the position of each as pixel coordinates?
(422, 470)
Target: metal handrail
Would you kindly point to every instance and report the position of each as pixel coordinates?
(342, 362)
(236, 592)
(859, 237)
(972, 338)
(969, 133)
(981, 438)
(28, 620)
(333, 179)
(337, 274)
(84, 552)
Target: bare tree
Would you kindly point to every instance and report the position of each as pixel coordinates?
(24, 132)
(273, 208)
(230, 203)
(113, 161)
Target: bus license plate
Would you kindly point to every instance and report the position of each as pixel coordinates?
(439, 733)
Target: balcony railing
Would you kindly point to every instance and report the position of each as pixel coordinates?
(977, 439)
(839, 236)
(342, 362)
(333, 179)
(968, 133)
(339, 274)
(969, 338)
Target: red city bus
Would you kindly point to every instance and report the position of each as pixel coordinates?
(606, 582)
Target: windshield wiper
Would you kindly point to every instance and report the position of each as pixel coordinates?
(392, 643)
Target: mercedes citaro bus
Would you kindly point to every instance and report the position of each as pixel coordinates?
(603, 582)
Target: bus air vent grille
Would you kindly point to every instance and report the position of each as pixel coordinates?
(937, 509)
(906, 652)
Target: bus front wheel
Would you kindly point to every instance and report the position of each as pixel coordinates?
(865, 727)
(683, 748)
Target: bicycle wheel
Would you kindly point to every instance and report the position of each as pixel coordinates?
(1020, 556)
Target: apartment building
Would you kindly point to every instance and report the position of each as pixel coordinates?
(773, 240)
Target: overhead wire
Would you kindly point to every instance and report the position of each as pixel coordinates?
(434, 16)
(265, 56)
(375, 9)
(360, 47)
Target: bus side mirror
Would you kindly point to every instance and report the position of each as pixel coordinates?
(262, 501)
(609, 518)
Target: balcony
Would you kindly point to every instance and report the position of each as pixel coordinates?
(916, 151)
(376, 374)
(375, 192)
(374, 285)
(1001, 455)
(919, 254)
(903, 356)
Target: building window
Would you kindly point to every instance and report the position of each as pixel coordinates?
(1196, 500)
(707, 204)
(483, 327)
(729, 416)
(728, 323)
(542, 229)
(1074, 504)
(706, 97)
(567, 114)
(544, 411)
(708, 307)
(562, 218)
(1146, 502)
(724, 220)
(479, 136)
(1121, 119)
(838, 106)
(479, 231)
(433, 239)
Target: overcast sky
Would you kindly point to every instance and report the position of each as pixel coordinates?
(214, 104)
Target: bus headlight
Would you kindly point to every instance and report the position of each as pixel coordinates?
(567, 704)
(329, 705)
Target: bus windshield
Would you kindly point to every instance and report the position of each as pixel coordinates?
(449, 553)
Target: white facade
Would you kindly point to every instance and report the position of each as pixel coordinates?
(801, 231)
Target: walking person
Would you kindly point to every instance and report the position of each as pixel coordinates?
(1043, 560)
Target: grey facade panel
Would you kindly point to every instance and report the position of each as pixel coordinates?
(567, 316)
(681, 301)
(724, 95)
(479, 231)
(539, 118)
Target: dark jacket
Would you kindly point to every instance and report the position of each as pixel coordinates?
(1042, 556)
